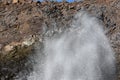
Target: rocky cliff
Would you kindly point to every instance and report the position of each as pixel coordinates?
(23, 23)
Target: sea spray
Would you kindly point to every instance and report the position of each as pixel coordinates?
(80, 53)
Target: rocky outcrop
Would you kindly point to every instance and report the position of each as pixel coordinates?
(23, 23)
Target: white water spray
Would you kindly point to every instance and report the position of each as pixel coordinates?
(81, 53)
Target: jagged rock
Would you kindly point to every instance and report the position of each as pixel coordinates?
(19, 21)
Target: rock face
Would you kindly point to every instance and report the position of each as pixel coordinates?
(22, 23)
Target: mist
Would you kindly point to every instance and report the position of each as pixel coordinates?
(82, 52)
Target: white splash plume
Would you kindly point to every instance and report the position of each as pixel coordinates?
(80, 53)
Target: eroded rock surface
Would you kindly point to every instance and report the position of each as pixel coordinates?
(23, 23)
